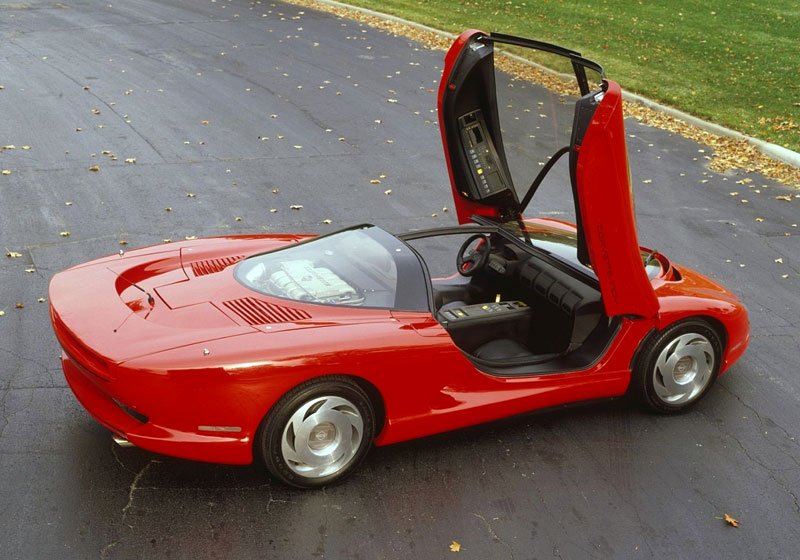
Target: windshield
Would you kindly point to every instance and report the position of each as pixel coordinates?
(563, 245)
(360, 267)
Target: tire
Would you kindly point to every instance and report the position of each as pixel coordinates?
(317, 433)
(675, 368)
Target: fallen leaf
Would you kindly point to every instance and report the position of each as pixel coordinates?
(647, 181)
(190, 237)
(374, 181)
(731, 520)
(786, 197)
(455, 546)
(204, 121)
(19, 305)
(10, 147)
(41, 300)
(275, 191)
(130, 160)
(759, 219)
(13, 254)
(94, 168)
(326, 222)
(30, 270)
(123, 242)
(273, 210)
(95, 111)
(779, 260)
(2, 312)
(26, 147)
(64, 234)
(238, 218)
(168, 209)
(6, 172)
(68, 203)
(190, 195)
(387, 192)
(296, 207)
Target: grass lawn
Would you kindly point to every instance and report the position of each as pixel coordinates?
(733, 63)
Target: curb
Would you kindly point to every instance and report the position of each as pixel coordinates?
(773, 151)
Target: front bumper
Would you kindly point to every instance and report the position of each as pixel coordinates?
(96, 396)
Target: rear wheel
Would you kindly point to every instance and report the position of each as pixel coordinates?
(318, 432)
(677, 366)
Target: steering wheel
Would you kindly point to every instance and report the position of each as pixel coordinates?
(473, 254)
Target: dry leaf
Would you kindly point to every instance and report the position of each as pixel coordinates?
(296, 207)
(326, 221)
(10, 147)
(94, 168)
(95, 111)
(374, 181)
(168, 209)
(26, 147)
(190, 195)
(387, 192)
(204, 121)
(275, 191)
(13, 254)
(759, 219)
(41, 300)
(273, 210)
(455, 546)
(68, 203)
(779, 260)
(730, 520)
(30, 270)
(64, 234)
(6, 172)
(123, 242)
(130, 160)
(786, 197)
(190, 237)
(2, 312)
(647, 181)
(238, 218)
(19, 305)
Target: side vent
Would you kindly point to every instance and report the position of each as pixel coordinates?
(258, 312)
(212, 266)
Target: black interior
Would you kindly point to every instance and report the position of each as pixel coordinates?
(522, 309)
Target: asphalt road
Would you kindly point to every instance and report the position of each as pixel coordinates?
(229, 100)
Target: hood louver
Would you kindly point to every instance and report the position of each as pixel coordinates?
(258, 312)
(212, 266)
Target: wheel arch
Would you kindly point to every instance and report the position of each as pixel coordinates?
(715, 324)
(372, 391)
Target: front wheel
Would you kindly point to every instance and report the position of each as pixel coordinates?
(318, 432)
(677, 366)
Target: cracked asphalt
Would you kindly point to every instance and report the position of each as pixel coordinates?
(235, 111)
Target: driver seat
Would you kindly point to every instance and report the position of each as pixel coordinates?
(502, 349)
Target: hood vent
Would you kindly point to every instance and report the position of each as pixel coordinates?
(212, 266)
(258, 312)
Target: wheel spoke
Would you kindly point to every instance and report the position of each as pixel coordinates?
(683, 368)
(322, 436)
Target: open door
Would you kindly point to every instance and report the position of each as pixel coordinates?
(604, 196)
(470, 129)
(497, 179)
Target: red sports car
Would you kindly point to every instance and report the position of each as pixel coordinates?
(301, 351)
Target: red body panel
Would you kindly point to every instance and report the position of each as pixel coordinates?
(606, 202)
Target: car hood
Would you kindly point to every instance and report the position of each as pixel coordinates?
(159, 298)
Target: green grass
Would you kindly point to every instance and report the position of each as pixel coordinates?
(735, 63)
